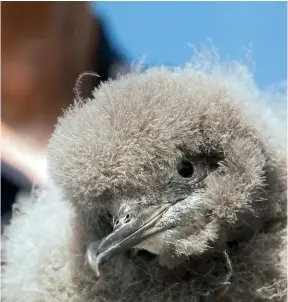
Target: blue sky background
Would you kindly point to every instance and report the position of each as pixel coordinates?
(162, 32)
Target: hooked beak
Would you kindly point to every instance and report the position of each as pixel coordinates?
(132, 231)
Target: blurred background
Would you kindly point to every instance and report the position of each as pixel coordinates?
(46, 45)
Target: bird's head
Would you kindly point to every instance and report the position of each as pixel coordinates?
(169, 156)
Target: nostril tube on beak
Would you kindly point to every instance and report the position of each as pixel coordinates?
(127, 218)
(121, 221)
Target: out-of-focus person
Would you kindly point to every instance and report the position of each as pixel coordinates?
(45, 46)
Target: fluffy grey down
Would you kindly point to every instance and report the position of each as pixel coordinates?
(226, 241)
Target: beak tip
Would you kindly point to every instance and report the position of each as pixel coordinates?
(93, 262)
(96, 269)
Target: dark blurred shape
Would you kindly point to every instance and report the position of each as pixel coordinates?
(45, 46)
(12, 182)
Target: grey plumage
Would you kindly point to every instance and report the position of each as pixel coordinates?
(189, 144)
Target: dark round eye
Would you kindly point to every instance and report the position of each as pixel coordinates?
(186, 169)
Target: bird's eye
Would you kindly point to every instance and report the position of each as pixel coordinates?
(186, 169)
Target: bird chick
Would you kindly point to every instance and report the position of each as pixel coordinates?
(177, 190)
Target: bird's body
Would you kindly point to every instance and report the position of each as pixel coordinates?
(187, 178)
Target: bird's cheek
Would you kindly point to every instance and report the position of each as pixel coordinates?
(152, 245)
(197, 239)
